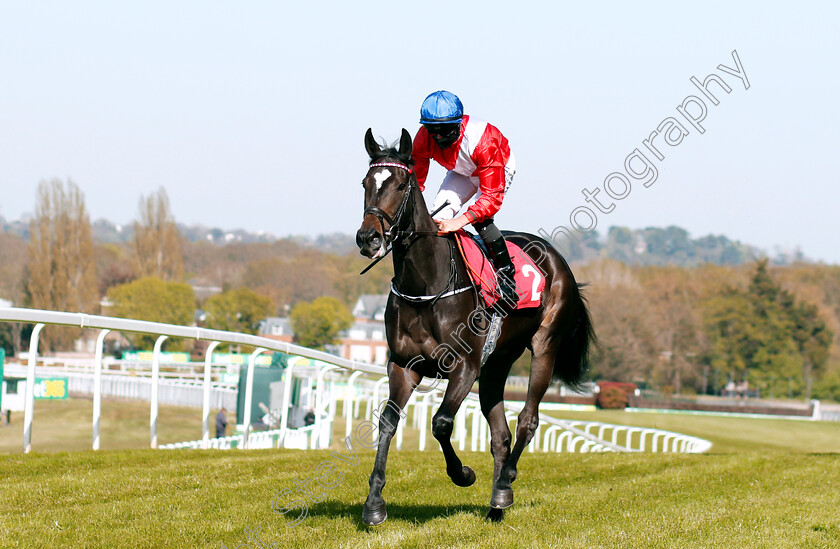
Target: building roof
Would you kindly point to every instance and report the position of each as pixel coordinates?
(371, 306)
(275, 325)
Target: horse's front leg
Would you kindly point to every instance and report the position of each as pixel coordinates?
(401, 383)
(444, 419)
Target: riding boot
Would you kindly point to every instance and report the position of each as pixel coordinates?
(495, 243)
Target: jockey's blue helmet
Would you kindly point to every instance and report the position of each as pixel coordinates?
(441, 107)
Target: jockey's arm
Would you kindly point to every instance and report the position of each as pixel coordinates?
(492, 186)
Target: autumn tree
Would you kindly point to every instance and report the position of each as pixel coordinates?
(676, 322)
(317, 324)
(240, 310)
(113, 266)
(12, 261)
(60, 270)
(621, 317)
(151, 298)
(158, 247)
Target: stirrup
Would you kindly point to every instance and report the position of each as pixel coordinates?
(506, 286)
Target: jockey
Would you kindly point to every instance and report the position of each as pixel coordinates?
(478, 158)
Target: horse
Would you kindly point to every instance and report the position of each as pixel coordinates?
(436, 327)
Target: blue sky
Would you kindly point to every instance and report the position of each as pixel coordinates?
(252, 115)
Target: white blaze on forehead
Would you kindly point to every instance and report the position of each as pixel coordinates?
(380, 177)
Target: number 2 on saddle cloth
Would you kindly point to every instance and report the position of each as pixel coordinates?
(529, 278)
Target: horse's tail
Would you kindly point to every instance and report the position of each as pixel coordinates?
(572, 362)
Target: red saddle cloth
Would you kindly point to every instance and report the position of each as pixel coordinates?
(529, 278)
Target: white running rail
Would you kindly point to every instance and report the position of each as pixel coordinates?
(552, 435)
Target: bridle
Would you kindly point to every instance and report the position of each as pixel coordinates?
(393, 234)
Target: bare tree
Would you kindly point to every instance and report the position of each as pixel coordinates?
(158, 248)
(60, 271)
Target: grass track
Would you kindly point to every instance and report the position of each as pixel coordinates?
(66, 425)
(144, 498)
(766, 483)
(731, 434)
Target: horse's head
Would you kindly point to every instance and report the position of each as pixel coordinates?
(388, 186)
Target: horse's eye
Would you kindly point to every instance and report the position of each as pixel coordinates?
(402, 186)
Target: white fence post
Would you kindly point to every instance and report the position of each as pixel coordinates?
(97, 386)
(29, 405)
(249, 394)
(205, 404)
(319, 404)
(349, 398)
(153, 413)
(287, 394)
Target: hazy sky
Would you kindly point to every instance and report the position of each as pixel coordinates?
(252, 114)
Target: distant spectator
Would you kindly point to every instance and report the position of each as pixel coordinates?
(310, 417)
(221, 423)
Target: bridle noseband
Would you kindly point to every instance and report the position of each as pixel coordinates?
(392, 233)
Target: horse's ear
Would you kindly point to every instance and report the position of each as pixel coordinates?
(405, 143)
(371, 146)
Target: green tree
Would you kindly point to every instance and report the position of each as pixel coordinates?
(60, 271)
(729, 331)
(158, 246)
(811, 337)
(317, 324)
(150, 298)
(828, 388)
(764, 335)
(239, 310)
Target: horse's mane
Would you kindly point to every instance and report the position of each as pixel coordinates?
(391, 151)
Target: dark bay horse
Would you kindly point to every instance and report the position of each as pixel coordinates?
(436, 328)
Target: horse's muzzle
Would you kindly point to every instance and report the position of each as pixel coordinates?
(370, 242)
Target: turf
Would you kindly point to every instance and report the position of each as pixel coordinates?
(66, 425)
(731, 434)
(765, 483)
(144, 498)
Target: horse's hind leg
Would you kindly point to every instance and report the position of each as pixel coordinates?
(442, 423)
(400, 386)
(491, 393)
(542, 368)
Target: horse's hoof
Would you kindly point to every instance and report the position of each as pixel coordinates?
(373, 516)
(467, 477)
(496, 515)
(501, 499)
